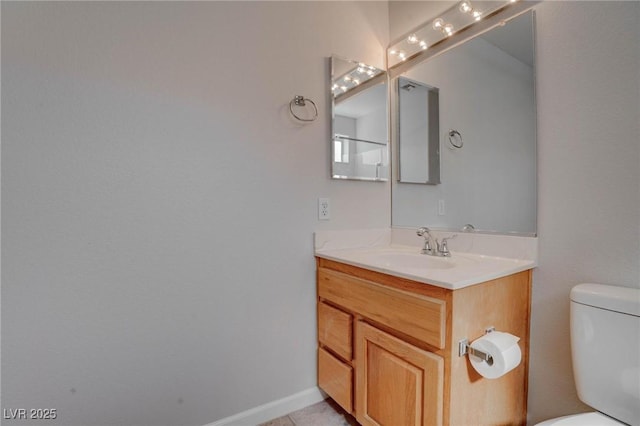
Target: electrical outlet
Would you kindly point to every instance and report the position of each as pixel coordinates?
(440, 207)
(324, 209)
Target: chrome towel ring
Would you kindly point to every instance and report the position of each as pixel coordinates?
(455, 139)
(301, 101)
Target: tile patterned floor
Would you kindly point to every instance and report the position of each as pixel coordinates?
(325, 413)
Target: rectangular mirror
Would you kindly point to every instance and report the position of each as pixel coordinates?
(359, 145)
(487, 136)
(418, 132)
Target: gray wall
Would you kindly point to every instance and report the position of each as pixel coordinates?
(589, 176)
(159, 203)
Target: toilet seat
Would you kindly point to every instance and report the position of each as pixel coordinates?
(584, 419)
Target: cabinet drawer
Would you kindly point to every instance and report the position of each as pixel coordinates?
(336, 379)
(415, 315)
(335, 330)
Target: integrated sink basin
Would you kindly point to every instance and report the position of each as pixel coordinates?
(458, 271)
(408, 259)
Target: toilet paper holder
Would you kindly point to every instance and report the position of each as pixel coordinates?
(464, 348)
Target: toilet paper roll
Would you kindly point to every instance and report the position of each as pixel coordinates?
(504, 349)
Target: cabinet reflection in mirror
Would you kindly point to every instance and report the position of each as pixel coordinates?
(359, 148)
(487, 95)
(418, 132)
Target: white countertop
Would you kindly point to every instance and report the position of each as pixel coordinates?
(475, 258)
(455, 272)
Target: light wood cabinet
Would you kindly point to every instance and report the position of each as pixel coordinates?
(398, 383)
(336, 379)
(335, 330)
(388, 347)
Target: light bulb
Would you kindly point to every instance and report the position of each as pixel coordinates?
(423, 45)
(448, 29)
(402, 55)
(347, 78)
(392, 52)
(412, 39)
(360, 70)
(370, 73)
(344, 88)
(356, 81)
(465, 7)
(477, 15)
(334, 87)
(438, 23)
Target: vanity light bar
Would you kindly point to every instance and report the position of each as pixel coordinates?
(444, 28)
(457, 18)
(352, 78)
(411, 40)
(465, 7)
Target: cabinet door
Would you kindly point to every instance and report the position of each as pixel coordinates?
(396, 383)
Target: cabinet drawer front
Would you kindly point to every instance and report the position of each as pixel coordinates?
(415, 315)
(335, 330)
(336, 379)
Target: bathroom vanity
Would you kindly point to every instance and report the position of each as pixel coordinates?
(391, 320)
(388, 340)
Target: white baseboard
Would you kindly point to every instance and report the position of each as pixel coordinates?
(273, 409)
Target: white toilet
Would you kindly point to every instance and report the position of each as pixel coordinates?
(605, 349)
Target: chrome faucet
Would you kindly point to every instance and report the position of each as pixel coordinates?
(424, 232)
(441, 249)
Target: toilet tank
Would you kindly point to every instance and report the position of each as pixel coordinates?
(605, 348)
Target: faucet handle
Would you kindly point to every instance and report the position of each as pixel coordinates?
(443, 249)
(468, 228)
(450, 237)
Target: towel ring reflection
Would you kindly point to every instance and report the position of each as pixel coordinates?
(455, 139)
(301, 101)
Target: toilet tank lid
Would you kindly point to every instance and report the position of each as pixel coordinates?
(614, 298)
